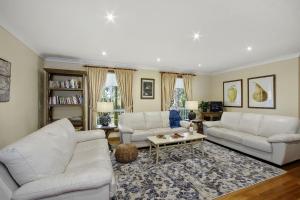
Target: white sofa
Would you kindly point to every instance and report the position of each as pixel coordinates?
(136, 127)
(272, 138)
(57, 163)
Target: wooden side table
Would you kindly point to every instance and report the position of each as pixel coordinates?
(211, 115)
(199, 124)
(107, 129)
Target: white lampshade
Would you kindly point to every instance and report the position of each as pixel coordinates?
(191, 105)
(105, 107)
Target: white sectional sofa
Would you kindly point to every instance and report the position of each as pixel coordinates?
(272, 138)
(56, 163)
(136, 127)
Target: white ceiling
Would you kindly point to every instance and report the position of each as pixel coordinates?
(147, 29)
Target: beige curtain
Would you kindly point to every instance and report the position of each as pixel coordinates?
(187, 81)
(124, 80)
(167, 89)
(96, 81)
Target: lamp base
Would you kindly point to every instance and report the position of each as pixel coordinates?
(192, 115)
(104, 119)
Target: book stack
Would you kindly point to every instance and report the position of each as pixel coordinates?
(59, 100)
(69, 84)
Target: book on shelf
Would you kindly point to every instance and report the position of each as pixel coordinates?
(60, 100)
(67, 84)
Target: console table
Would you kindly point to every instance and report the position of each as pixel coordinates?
(211, 115)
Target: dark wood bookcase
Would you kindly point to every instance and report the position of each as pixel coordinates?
(58, 89)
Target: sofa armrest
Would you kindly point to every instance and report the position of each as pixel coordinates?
(82, 136)
(210, 124)
(90, 178)
(124, 129)
(284, 138)
(185, 124)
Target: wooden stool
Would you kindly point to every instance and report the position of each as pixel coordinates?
(126, 153)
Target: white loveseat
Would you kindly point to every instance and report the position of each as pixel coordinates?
(56, 163)
(270, 137)
(136, 127)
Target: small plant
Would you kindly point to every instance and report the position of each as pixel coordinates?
(204, 106)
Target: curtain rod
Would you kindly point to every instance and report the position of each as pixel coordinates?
(177, 73)
(110, 68)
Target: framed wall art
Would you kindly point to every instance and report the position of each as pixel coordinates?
(233, 93)
(262, 92)
(5, 73)
(147, 88)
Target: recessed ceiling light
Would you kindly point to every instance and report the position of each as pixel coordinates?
(249, 48)
(104, 53)
(199, 65)
(110, 17)
(197, 36)
(157, 59)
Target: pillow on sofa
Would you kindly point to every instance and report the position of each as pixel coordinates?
(174, 118)
(38, 155)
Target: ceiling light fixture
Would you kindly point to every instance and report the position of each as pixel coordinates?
(110, 17)
(104, 53)
(157, 59)
(197, 36)
(249, 48)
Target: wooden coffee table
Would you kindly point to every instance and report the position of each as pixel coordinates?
(169, 141)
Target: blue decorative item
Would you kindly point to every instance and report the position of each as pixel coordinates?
(174, 118)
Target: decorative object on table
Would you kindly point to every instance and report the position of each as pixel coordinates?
(147, 88)
(233, 93)
(202, 177)
(105, 108)
(177, 135)
(204, 105)
(191, 128)
(191, 105)
(262, 92)
(126, 153)
(5, 73)
(174, 119)
(161, 136)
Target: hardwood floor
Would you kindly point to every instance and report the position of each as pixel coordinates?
(284, 187)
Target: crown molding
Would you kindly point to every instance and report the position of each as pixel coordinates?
(273, 60)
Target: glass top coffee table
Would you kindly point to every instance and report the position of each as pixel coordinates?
(182, 139)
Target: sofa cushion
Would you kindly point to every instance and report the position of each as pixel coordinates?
(250, 123)
(231, 120)
(141, 135)
(165, 119)
(257, 142)
(274, 124)
(135, 121)
(168, 131)
(226, 134)
(153, 120)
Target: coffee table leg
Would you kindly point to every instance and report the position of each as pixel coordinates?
(192, 149)
(157, 152)
(201, 142)
(150, 148)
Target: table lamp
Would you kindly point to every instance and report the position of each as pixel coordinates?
(105, 108)
(191, 105)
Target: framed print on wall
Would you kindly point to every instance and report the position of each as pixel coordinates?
(147, 88)
(5, 73)
(262, 92)
(233, 93)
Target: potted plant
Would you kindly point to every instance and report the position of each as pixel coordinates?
(204, 106)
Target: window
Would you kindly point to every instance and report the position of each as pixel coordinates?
(111, 93)
(180, 98)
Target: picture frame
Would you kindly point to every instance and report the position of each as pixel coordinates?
(233, 93)
(147, 88)
(262, 92)
(5, 78)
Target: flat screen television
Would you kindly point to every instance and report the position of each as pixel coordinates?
(216, 106)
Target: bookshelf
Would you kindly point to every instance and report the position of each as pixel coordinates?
(65, 96)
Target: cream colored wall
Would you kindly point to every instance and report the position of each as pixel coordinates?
(287, 86)
(19, 116)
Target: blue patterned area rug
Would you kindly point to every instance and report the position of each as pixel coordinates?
(180, 176)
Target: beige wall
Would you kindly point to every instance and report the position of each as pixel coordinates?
(201, 86)
(19, 116)
(287, 86)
